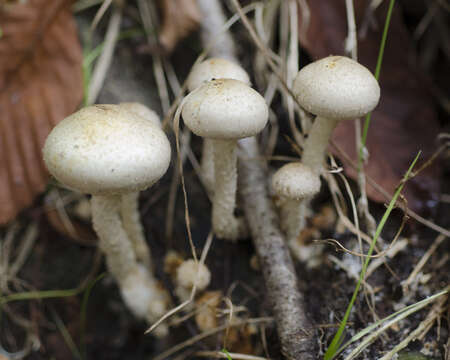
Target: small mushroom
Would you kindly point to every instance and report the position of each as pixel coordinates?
(213, 68)
(225, 111)
(335, 88)
(189, 273)
(294, 183)
(107, 151)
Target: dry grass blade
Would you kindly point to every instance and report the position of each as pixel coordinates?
(387, 195)
(222, 355)
(386, 323)
(105, 59)
(438, 241)
(258, 42)
(206, 334)
(433, 315)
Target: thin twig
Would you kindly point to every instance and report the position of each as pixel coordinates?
(295, 330)
(388, 196)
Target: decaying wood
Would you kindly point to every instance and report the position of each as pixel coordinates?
(294, 327)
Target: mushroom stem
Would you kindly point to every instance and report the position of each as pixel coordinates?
(218, 42)
(293, 215)
(207, 165)
(140, 291)
(114, 241)
(293, 220)
(133, 227)
(317, 142)
(225, 223)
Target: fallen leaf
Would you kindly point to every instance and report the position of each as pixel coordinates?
(405, 121)
(180, 18)
(40, 84)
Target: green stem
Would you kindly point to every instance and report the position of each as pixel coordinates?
(337, 340)
(377, 76)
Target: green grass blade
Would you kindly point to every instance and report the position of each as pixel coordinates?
(38, 295)
(66, 336)
(43, 294)
(395, 317)
(83, 312)
(90, 55)
(337, 340)
(377, 76)
(225, 351)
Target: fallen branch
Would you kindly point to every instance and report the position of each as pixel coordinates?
(295, 330)
(294, 327)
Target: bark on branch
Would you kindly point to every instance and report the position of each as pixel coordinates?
(295, 330)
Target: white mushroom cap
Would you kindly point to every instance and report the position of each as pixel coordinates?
(106, 149)
(215, 68)
(225, 109)
(142, 111)
(337, 87)
(187, 274)
(295, 181)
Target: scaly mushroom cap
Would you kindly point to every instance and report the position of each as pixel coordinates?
(295, 181)
(215, 68)
(337, 87)
(106, 149)
(225, 109)
(142, 111)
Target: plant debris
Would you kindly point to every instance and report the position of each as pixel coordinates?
(180, 18)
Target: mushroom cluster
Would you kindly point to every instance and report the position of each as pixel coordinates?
(111, 152)
(114, 151)
(210, 69)
(334, 89)
(224, 111)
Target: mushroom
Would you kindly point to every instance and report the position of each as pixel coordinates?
(107, 151)
(213, 68)
(295, 183)
(334, 88)
(225, 110)
(130, 201)
(188, 274)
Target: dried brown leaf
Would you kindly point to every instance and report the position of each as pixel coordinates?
(40, 84)
(180, 18)
(405, 121)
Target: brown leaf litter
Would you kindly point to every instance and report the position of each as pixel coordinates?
(40, 84)
(179, 19)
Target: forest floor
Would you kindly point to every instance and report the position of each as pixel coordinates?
(67, 327)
